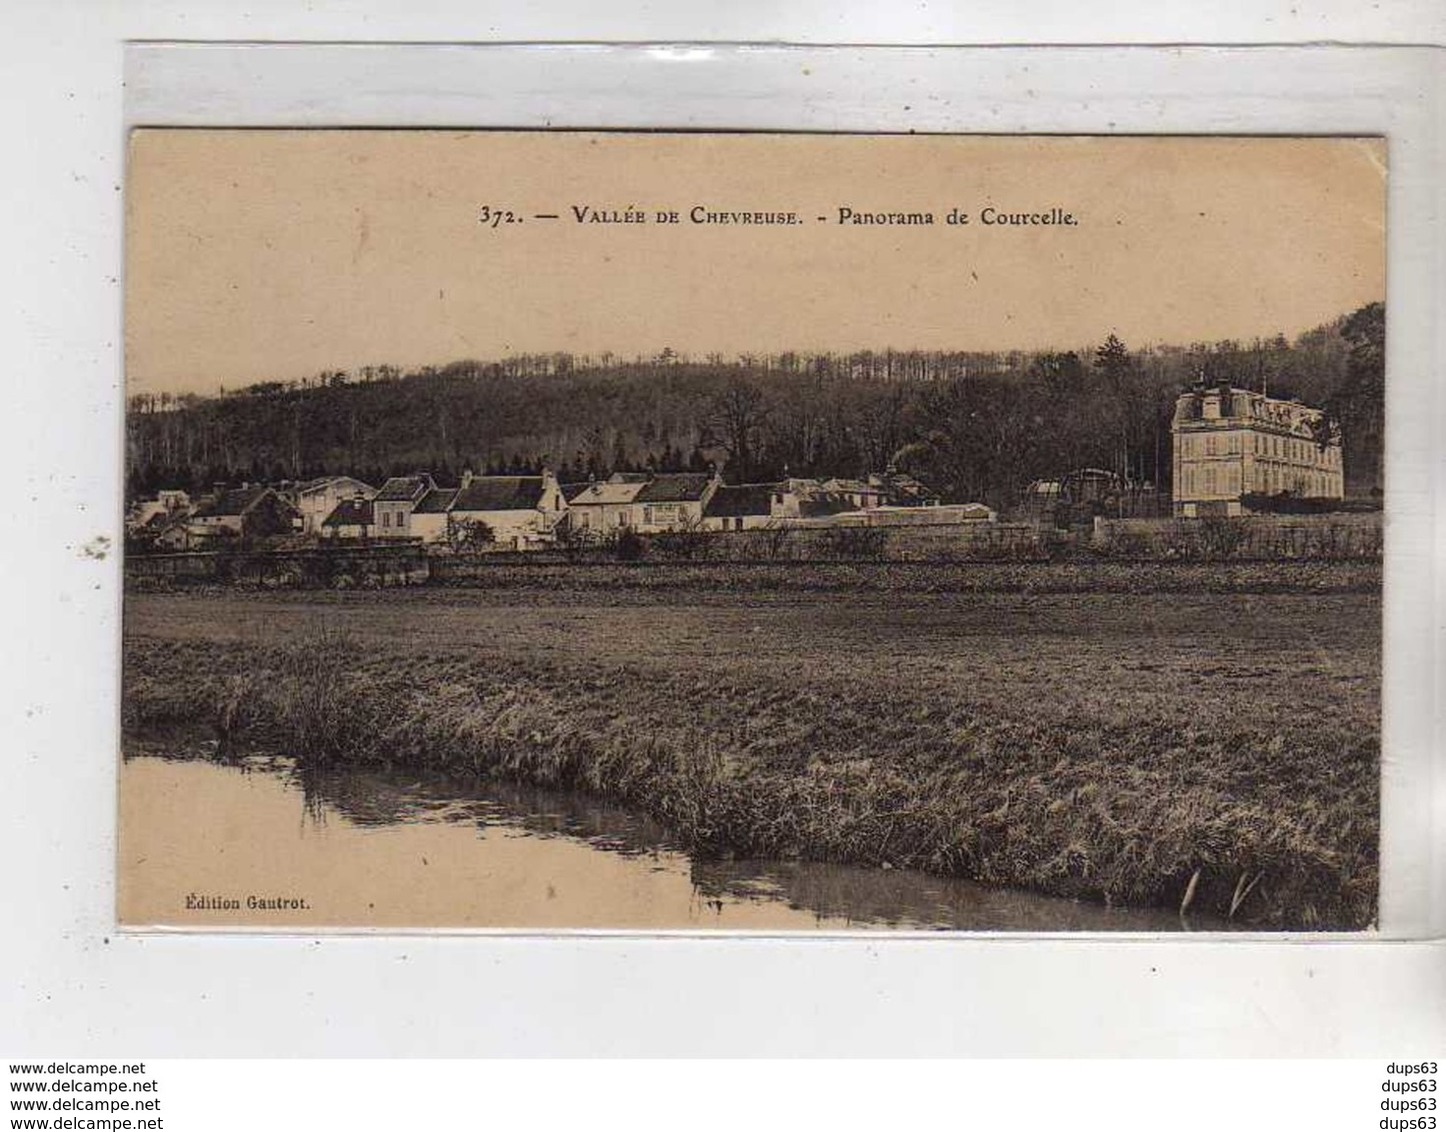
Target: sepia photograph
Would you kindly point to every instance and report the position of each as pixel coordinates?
(624, 531)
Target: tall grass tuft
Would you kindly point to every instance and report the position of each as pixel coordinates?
(317, 701)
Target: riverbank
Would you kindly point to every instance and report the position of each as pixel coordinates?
(400, 848)
(1126, 747)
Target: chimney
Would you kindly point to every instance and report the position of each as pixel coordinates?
(466, 477)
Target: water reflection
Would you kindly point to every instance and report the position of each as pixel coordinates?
(380, 797)
(379, 847)
(902, 898)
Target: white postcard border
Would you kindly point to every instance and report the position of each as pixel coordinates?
(451, 995)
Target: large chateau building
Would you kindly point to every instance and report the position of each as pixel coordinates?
(1230, 443)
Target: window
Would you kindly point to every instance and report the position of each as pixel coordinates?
(386, 518)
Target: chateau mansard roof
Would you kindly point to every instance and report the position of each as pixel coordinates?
(1236, 408)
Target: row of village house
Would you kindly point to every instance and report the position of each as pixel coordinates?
(1229, 444)
(526, 512)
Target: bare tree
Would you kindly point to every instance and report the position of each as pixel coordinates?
(735, 423)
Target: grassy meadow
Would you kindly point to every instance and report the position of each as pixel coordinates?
(1135, 740)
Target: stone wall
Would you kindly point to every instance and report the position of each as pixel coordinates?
(318, 567)
(1344, 536)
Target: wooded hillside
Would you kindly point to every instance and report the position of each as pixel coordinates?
(973, 425)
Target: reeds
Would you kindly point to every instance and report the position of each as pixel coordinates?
(1060, 766)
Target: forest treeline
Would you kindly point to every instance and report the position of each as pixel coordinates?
(975, 426)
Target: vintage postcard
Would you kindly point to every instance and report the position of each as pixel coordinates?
(750, 532)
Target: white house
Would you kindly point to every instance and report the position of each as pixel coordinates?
(861, 494)
(520, 511)
(741, 507)
(606, 505)
(318, 498)
(251, 510)
(393, 504)
(673, 501)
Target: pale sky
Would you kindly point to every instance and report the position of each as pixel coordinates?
(273, 255)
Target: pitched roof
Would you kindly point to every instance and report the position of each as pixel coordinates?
(853, 486)
(404, 489)
(599, 493)
(903, 488)
(322, 482)
(817, 506)
(675, 487)
(735, 500)
(350, 513)
(176, 527)
(436, 501)
(500, 493)
(161, 522)
(571, 491)
(233, 501)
